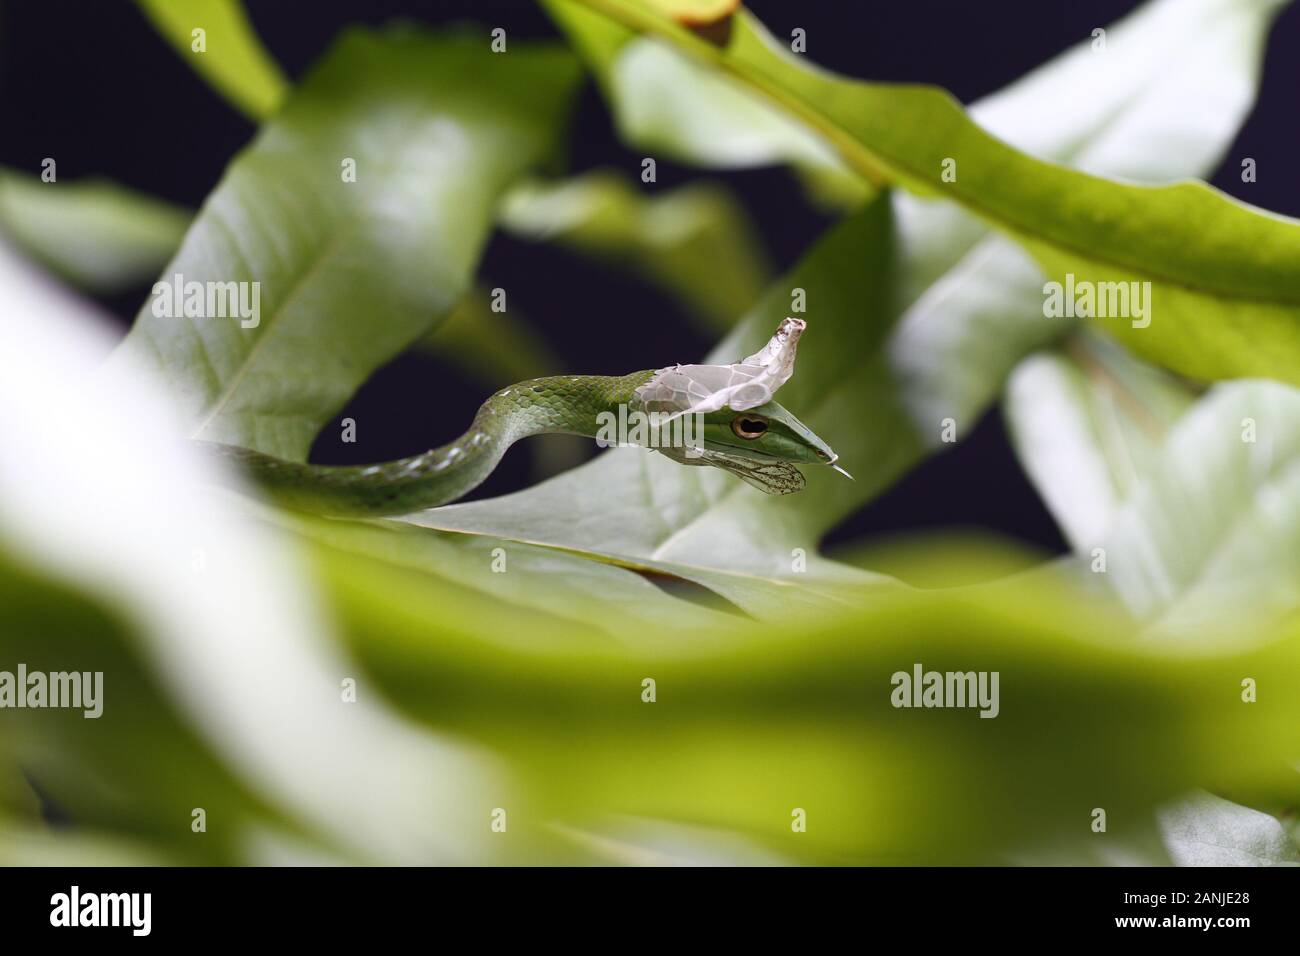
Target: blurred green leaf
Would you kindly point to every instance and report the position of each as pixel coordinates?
(1211, 537)
(96, 234)
(233, 59)
(35, 846)
(1190, 509)
(505, 587)
(944, 557)
(1224, 276)
(1088, 425)
(679, 109)
(696, 11)
(223, 682)
(18, 801)
(1290, 820)
(1206, 831)
(1137, 843)
(351, 273)
(137, 769)
(1178, 79)
(765, 717)
(695, 241)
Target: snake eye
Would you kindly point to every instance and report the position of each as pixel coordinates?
(748, 428)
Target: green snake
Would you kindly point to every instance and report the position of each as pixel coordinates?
(713, 415)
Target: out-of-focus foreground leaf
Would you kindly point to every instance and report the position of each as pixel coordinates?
(1215, 526)
(351, 272)
(96, 234)
(223, 685)
(761, 718)
(1224, 276)
(1207, 831)
(1187, 514)
(1190, 514)
(1088, 423)
(232, 59)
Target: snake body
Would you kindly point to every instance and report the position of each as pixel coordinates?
(561, 403)
(743, 432)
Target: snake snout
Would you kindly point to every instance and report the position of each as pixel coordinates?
(831, 460)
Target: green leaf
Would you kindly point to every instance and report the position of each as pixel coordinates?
(221, 677)
(1179, 78)
(1204, 830)
(1136, 843)
(1186, 511)
(1088, 426)
(1225, 278)
(695, 241)
(17, 799)
(697, 11)
(38, 846)
(1212, 535)
(507, 587)
(765, 716)
(679, 109)
(96, 234)
(233, 59)
(350, 273)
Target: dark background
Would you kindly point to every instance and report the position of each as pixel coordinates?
(90, 83)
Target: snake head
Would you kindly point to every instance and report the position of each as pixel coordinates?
(765, 432)
(742, 426)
